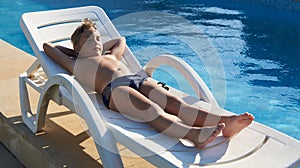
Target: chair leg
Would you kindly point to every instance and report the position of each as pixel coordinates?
(34, 123)
(27, 115)
(110, 155)
(44, 100)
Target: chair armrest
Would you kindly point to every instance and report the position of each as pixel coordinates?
(187, 71)
(84, 105)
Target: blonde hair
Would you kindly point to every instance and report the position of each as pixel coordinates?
(87, 24)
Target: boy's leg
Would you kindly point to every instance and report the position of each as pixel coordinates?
(192, 115)
(176, 106)
(133, 104)
(136, 106)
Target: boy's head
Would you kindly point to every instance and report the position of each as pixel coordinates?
(85, 29)
(82, 33)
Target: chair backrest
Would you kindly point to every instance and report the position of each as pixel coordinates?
(56, 26)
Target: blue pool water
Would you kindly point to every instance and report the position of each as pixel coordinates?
(258, 47)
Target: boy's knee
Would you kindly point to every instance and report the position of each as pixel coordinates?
(152, 113)
(174, 101)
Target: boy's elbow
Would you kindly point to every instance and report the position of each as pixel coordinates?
(122, 43)
(47, 46)
(122, 40)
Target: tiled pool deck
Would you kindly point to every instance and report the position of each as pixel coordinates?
(64, 143)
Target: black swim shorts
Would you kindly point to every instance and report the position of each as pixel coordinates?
(133, 81)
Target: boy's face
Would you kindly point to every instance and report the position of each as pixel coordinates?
(90, 43)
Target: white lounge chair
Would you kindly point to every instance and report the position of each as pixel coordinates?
(255, 146)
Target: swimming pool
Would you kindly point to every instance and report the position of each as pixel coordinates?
(258, 47)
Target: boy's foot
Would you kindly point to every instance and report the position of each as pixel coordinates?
(207, 135)
(235, 124)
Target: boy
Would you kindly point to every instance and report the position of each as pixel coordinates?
(135, 96)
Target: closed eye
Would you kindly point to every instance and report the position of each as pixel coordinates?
(98, 38)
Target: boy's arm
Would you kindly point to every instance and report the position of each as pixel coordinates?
(118, 48)
(67, 51)
(59, 57)
(107, 46)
